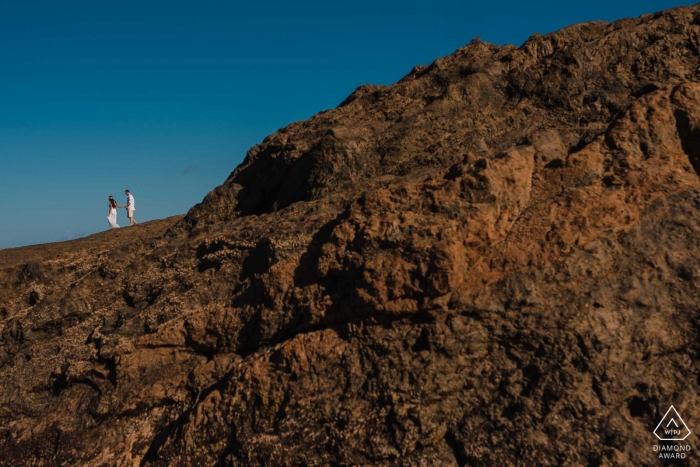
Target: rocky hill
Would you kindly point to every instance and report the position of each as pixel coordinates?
(493, 261)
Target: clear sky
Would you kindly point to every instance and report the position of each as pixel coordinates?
(165, 97)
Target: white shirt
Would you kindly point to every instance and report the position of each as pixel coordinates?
(130, 202)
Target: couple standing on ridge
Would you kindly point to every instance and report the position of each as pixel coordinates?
(112, 216)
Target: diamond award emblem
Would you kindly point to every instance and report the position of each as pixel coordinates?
(672, 427)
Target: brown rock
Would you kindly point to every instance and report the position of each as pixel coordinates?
(492, 262)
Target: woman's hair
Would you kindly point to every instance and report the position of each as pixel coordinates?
(112, 202)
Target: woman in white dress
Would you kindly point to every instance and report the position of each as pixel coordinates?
(112, 216)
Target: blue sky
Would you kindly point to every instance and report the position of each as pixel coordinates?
(165, 97)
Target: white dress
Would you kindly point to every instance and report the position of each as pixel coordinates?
(112, 218)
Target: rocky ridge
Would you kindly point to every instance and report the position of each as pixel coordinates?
(491, 262)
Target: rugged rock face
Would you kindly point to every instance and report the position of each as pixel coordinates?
(492, 262)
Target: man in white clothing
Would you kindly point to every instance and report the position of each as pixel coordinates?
(130, 208)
